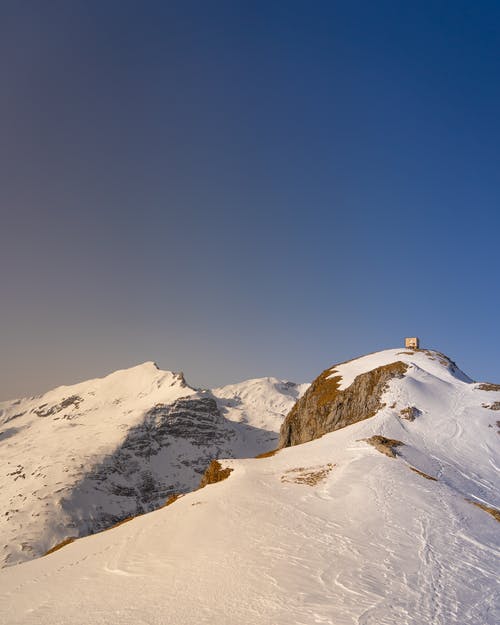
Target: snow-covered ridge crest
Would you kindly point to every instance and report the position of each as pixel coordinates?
(432, 361)
(261, 402)
(329, 531)
(356, 390)
(131, 383)
(80, 458)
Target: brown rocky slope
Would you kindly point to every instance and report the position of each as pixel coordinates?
(325, 408)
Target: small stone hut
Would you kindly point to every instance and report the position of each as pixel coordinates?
(412, 342)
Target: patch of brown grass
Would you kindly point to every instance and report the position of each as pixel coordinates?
(214, 473)
(267, 454)
(440, 357)
(395, 369)
(172, 499)
(405, 353)
(118, 523)
(325, 388)
(495, 513)
(427, 477)
(309, 476)
(386, 446)
(60, 545)
(487, 386)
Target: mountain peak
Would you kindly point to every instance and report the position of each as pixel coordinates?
(432, 361)
(148, 364)
(352, 391)
(135, 436)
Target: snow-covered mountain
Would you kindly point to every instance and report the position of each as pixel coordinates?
(81, 458)
(388, 518)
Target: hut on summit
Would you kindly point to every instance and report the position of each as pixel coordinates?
(412, 342)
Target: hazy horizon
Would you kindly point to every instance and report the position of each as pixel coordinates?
(194, 384)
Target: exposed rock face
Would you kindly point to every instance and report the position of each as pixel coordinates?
(324, 408)
(67, 402)
(410, 413)
(386, 446)
(197, 420)
(494, 406)
(214, 473)
(171, 448)
(487, 386)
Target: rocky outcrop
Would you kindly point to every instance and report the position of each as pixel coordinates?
(410, 413)
(494, 406)
(325, 408)
(487, 386)
(214, 473)
(386, 446)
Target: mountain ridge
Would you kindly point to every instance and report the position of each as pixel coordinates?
(83, 457)
(387, 520)
(351, 391)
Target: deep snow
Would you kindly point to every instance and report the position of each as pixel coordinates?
(329, 532)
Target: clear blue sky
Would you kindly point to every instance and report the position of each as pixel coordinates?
(240, 189)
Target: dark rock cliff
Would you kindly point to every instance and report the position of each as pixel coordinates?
(166, 453)
(324, 408)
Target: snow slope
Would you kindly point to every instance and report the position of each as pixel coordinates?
(259, 405)
(435, 362)
(330, 532)
(80, 458)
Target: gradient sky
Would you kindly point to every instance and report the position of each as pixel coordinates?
(239, 189)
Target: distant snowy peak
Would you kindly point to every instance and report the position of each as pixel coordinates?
(139, 386)
(260, 402)
(80, 458)
(136, 381)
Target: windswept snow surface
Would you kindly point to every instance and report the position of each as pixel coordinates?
(329, 532)
(80, 458)
(436, 363)
(259, 406)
